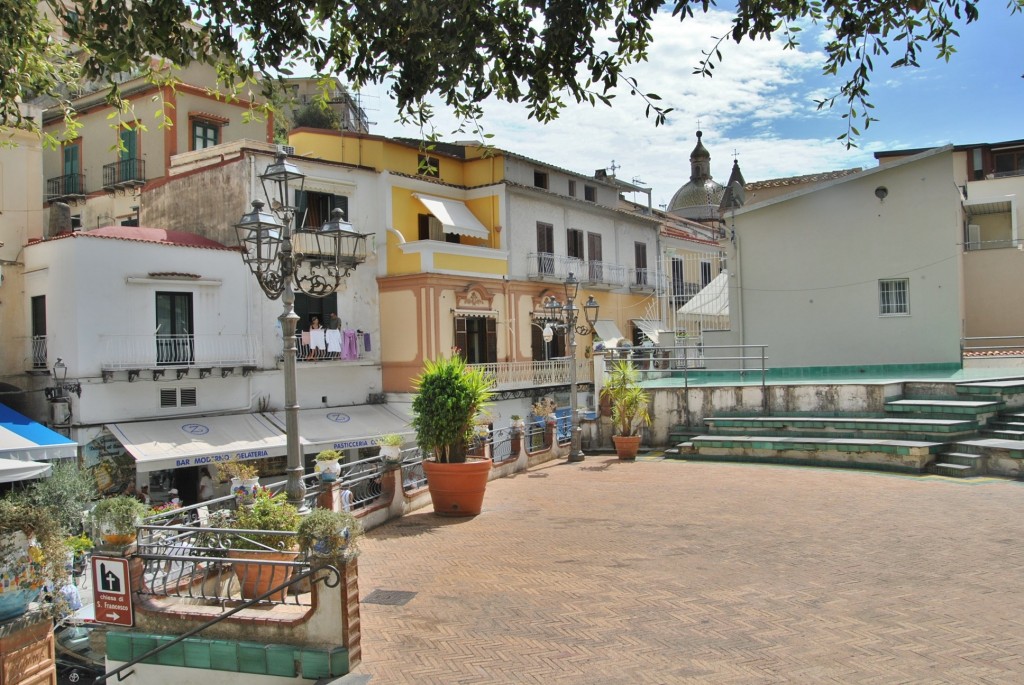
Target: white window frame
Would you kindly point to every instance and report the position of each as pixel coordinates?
(889, 292)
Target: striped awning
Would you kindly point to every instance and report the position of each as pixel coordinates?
(22, 438)
(454, 216)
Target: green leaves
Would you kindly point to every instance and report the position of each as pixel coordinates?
(449, 395)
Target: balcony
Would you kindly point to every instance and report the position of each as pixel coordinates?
(37, 353)
(603, 275)
(646, 281)
(133, 352)
(124, 173)
(66, 187)
(544, 266)
(522, 375)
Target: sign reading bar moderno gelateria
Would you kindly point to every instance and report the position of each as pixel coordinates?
(241, 455)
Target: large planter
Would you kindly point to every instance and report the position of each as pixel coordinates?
(19, 579)
(256, 579)
(457, 489)
(329, 470)
(626, 446)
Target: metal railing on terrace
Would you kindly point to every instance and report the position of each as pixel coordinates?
(124, 172)
(515, 375)
(121, 352)
(546, 266)
(37, 354)
(603, 274)
(647, 280)
(68, 185)
(1006, 346)
(971, 246)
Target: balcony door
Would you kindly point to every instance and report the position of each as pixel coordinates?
(174, 343)
(477, 339)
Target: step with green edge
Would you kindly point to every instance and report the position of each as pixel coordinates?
(926, 406)
(1001, 387)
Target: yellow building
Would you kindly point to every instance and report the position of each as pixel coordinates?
(476, 239)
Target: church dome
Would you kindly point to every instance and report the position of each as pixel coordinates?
(699, 198)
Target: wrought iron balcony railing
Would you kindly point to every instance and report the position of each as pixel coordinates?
(121, 352)
(66, 186)
(124, 173)
(519, 375)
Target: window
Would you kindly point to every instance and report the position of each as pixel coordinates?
(595, 266)
(640, 260)
(174, 346)
(679, 295)
(977, 165)
(540, 179)
(429, 166)
(705, 273)
(307, 306)
(316, 207)
(572, 188)
(574, 240)
(38, 305)
(477, 338)
(73, 168)
(893, 298)
(128, 167)
(545, 248)
(1009, 163)
(543, 351)
(76, 222)
(430, 228)
(204, 134)
(590, 193)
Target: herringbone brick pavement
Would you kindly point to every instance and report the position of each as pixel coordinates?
(674, 572)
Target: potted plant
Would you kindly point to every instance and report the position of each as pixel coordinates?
(79, 545)
(329, 534)
(391, 448)
(244, 478)
(327, 466)
(449, 394)
(267, 513)
(117, 517)
(33, 553)
(629, 403)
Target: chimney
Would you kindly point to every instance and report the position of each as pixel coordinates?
(60, 219)
(601, 174)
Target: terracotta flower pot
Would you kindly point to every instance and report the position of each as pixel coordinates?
(626, 446)
(457, 489)
(255, 579)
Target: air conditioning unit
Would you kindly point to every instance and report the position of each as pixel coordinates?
(60, 413)
(287, 149)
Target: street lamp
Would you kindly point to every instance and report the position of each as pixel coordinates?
(285, 259)
(61, 386)
(566, 316)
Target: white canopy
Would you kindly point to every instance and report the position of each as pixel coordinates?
(174, 443)
(454, 216)
(12, 470)
(23, 438)
(712, 300)
(341, 428)
(608, 332)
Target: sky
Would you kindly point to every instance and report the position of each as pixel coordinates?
(759, 106)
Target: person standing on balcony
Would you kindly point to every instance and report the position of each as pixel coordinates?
(317, 342)
(333, 336)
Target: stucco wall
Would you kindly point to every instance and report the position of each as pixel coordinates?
(806, 270)
(993, 281)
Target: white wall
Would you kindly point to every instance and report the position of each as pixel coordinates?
(806, 269)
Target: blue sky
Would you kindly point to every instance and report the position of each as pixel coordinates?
(760, 104)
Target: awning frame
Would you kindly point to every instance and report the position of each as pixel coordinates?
(454, 216)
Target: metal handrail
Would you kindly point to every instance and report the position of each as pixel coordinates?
(965, 347)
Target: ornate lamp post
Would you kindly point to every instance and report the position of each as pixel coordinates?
(566, 316)
(285, 259)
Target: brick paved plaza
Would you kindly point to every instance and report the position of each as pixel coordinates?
(675, 572)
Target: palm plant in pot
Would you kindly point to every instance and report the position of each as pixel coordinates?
(629, 402)
(259, 539)
(449, 394)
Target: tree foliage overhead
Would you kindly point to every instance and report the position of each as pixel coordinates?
(542, 53)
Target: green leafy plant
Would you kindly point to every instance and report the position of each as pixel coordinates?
(236, 468)
(67, 493)
(267, 512)
(80, 543)
(328, 455)
(327, 533)
(628, 399)
(449, 394)
(119, 514)
(391, 440)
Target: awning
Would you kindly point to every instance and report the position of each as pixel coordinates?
(454, 216)
(650, 329)
(174, 443)
(12, 470)
(342, 428)
(23, 438)
(712, 300)
(608, 332)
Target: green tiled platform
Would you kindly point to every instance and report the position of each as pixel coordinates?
(229, 655)
(847, 426)
(998, 387)
(932, 406)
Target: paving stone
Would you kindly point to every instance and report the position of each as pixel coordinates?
(668, 571)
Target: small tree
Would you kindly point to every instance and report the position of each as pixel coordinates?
(66, 494)
(628, 399)
(449, 394)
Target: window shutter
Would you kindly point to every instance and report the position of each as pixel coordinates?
(168, 397)
(461, 339)
(188, 397)
(301, 205)
(492, 340)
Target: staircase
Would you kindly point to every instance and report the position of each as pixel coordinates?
(954, 436)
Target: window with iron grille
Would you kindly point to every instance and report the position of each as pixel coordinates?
(894, 297)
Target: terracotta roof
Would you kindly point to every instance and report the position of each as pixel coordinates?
(801, 180)
(150, 235)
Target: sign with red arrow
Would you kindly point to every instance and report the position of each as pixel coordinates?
(111, 591)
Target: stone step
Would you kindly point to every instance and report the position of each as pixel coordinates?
(952, 470)
(973, 408)
(887, 428)
(996, 387)
(1002, 433)
(962, 459)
